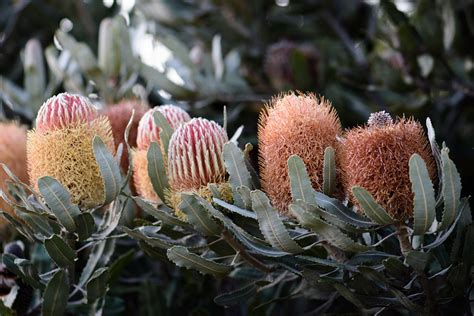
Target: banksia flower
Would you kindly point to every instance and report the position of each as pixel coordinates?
(302, 125)
(61, 147)
(148, 132)
(376, 157)
(12, 154)
(119, 115)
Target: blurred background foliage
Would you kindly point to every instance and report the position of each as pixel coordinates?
(412, 58)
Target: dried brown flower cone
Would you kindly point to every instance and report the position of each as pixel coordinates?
(119, 115)
(13, 154)
(291, 124)
(376, 157)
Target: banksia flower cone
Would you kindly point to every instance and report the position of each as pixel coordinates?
(300, 125)
(376, 157)
(12, 154)
(61, 147)
(119, 115)
(148, 132)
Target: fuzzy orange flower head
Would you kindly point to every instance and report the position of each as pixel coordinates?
(148, 132)
(292, 124)
(119, 115)
(13, 155)
(376, 158)
(61, 147)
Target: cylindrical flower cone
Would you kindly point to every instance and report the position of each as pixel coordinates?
(13, 155)
(148, 132)
(61, 147)
(291, 124)
(376, 158)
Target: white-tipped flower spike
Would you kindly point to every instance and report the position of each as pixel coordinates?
(148, 131)
(379, 119)
(64, 110)
(195, 155)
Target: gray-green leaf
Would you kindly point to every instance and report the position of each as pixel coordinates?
(198, 215)
(157, 170)
(165, 129)
(97, 285)
(109, 170)
(301, 187)
(329, 172)
(55, 296)
(62, 254)
(451, 190)
(370, 207)
(183, 258)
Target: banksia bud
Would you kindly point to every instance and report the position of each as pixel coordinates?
(195, 155)
(12, 154)
(376, 157)
(61, 147)
(300, 125)
(148, 132)
(119, 115)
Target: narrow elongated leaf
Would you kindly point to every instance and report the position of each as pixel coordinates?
(117, 266)
(38, 224)
(97, 285)
(165, 129)
(235, 209)
(418, 260)
(62, 254)
(94, 258)
(329, 172)
(301, 187)
(348, 295)
(183, 258)
(108, 54)
(24, 269)
(154, 240)
(159, 214)
(198, 216)
(271, 225)
(56, 294)
(237, 296)
(424, 200)
(157, 170)
(435, 150)
(109, 170)
(244, 193)
(59, 201)
(85, 225)
(35, 74)
(370, 207)
(451, 190)
(235, 164)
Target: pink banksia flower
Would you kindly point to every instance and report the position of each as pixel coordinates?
(61, 147)
(148, 132)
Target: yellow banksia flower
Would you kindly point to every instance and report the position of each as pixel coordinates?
(148, 132)
(61, 147)
(13, 155)
(294, 124)
(376, 158)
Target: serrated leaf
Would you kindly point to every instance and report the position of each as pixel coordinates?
(109, 169)
(37, 223)
(198, 216)
(396, 268)
(424, 200)
(235, 209)
(183, 258)
(59, 201)
(301, 187)
(61, 253)
(237, 296)
(159, 214)
(271, 225)
(85, 225)
(94, 258)
(239, 176)
(56, 294)
(157, 170)
(97, 285)
(326, 231)
(370, 207)
(163, 242)
(451, 190)
(165, 129)
(418, 260)
(436, 152)
(468, 249)
(329, 171)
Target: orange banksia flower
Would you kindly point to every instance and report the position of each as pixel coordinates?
(61, 147)
(291, 124)
(119, 115)
(12, 154)
(148, 132)
(376, 157)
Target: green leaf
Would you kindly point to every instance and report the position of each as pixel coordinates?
(324, 230)
(108, 52)
(56, 294)
(183, 258)
(94, 257)
(329, 171)
(424, 201)
(239, 176)
(235, 209)
(165, 129)
(38, 223)
(59, 201)
(85, 225)
(97, 284)
(468, 249)
(119, 264)
(396, 268)
(35, 74)
(348, 295)
(140, 233)
(418, 260)
(237, 296)
(62, 254)
(159, 214)
(451, 190)
(109, 169)
(159, 79)
(271, 225)
(198, 216)
(24, 269)
(157, 170)
(301, 187)
(370, 207)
